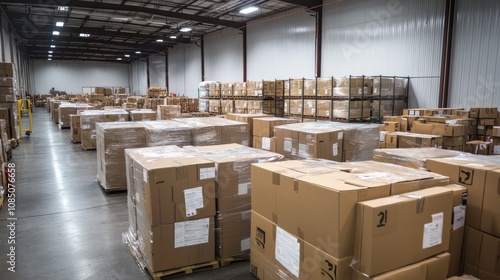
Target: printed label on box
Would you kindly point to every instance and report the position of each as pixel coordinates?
(496, 150)
(194, 200)
(433, 231)
(341, 135)
(191, 233)
(145, 175)
(85, 126)
(417, 113)
(93, 136)
(480, 127)
(288, 251)
(335, 149)
(243, 188)
(458, 217)
(287, 145)
(245, 244)
(382, 137)
(207, 173)
(266, 143)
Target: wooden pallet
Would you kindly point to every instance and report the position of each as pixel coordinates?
(228, 261)
(108, 191)
(76, 142)
(63, 127)
(185, 270)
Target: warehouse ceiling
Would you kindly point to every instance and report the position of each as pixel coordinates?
(126, 30)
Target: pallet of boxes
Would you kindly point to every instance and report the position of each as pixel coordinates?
(486, 141)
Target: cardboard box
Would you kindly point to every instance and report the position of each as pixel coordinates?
(391, 140)
(276, 254)
(232, 233)
(478, 148)
(264, 143)
(461, 113)
(247, 118)
(75, 129)
(454, 130)
(413, 112)
(431, 268)
(484, 113)
(453, 141)
(428, 128)
(414, 140)
(489, 122)
(217, 131)
(473, 174)
(164, 133)
(142, 115)
(264, 127)
(391, 126)
(388, 228)
(496, 131)
(176, 245)
(412, 157)
(481, 254)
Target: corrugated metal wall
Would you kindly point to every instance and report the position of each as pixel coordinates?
(224, 56)
(6, 40)
(157, 71)
(475, 60)
(71, 76)
(386, 37)
(139, 77)
(184, 70)
(281, 46)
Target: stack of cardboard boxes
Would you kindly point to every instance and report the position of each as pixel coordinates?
(485, 143)
(67, 109)
(163, 133)
(75, 129)
(482, 234)
(88, 120)
(142, 115)
(154, 92)
(166, 112)
(290, 239)
(247, 118)
(263, 132)
(387, 89)
(412, 157)
(187, 104)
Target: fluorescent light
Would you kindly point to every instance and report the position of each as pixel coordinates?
(119, 58)
(84, 35)
(159, 41)
(248, 10)
(185, 29)
(49, 59)
(55, 33)
(63, 8)
(138, 52)
(127, 55)
(52, 46)
(173, 37)
(59, 24)
(50, 51)
(50, 55)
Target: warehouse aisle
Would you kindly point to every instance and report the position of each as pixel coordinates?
(66, 227)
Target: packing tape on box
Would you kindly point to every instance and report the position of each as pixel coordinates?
(420, 201)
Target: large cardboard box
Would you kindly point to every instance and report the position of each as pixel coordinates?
(264, 127)
(414, 140)
(454, 130)
(276, 254)
(232, 233)
(388, 228)
(429, 128)
(248, 118)
(67, 109)
(88, 120)
(7, 94)
(484, 113)
(164, 133)
(264, 143)
(142, 115)
(431, 268)
(391, 126)
(217, 131)
(75, 129)
(481, 254)
(413, 157)
(481, 180)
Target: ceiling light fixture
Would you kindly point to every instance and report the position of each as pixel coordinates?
(138, 52)
(52, 46)
(119, 58)
(86, 35)
(127, 55)
(50, 51)
(159, 41)
(55, 33)
(185, 29)
(59, 24)
(248, 10)
(50, 55)
(63, 8)
(173, 37)
(49, 59)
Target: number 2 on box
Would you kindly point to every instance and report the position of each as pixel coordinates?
(383, 218)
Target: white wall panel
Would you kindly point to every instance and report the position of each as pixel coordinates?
(157, 75)
(184, 70)
(71, 76)
(224, 56)
(386, 37)
(281, 46)
(6, 44)
(475, 60)
(139, 77)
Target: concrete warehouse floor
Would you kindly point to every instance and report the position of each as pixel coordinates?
(67, 227)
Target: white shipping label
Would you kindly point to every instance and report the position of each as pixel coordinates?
(480, 127)
(335, 149)
(382, 137)
(244, 143)
(433, 231)
(145, 175)
(412, 113)
(482, 146)
(288, 251)
(92, 136)
(194, 200)
(207, 173)
(266, 143)
(191, 233)
(496, 150)
(451, 122)
(458, 217)
(243, 188)
(245, 244)
(341, 135)
(85, 126)
(417, 113)
(287, 145)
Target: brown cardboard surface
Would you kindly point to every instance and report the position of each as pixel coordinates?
(490, 219)
(247, 118)
(264, 127)
(232, 234)
(454, 130)
(481, 253)
(387, 228)
(429, 128)
(391, 126)
(469, 173)
(415, 140)
(309, 262)
(484, 113)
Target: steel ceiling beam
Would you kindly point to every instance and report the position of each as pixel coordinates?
(118, 7)
(86, 59)
(42, 50)
(305, 3)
